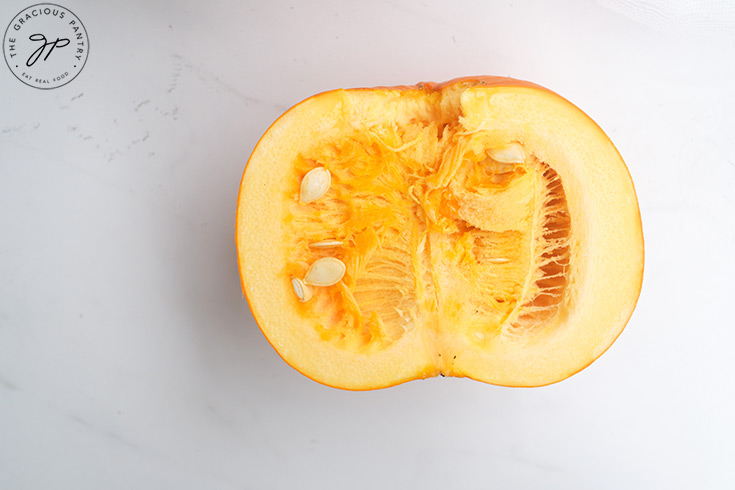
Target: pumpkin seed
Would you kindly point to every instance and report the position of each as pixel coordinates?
(315, 184)
(326, 271)
(510, 153)
(303, 291)
(326, 244)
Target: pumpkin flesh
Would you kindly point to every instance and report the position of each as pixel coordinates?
(458, 261)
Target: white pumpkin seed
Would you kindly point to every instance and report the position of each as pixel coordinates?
(510, 153)
(326, 271)
(315, 184)
(303, 291)
(326, 244)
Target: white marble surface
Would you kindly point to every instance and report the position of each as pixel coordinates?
(129, 359)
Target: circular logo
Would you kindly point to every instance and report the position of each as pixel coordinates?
(46, 46)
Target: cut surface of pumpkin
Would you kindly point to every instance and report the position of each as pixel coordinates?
(484, 227)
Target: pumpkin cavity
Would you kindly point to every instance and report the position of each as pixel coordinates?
(428, 223)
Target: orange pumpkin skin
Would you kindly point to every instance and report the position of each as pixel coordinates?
(301, 341)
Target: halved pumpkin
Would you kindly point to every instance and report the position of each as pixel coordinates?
(483, 227)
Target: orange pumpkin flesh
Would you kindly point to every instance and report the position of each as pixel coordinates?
(488, 228)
